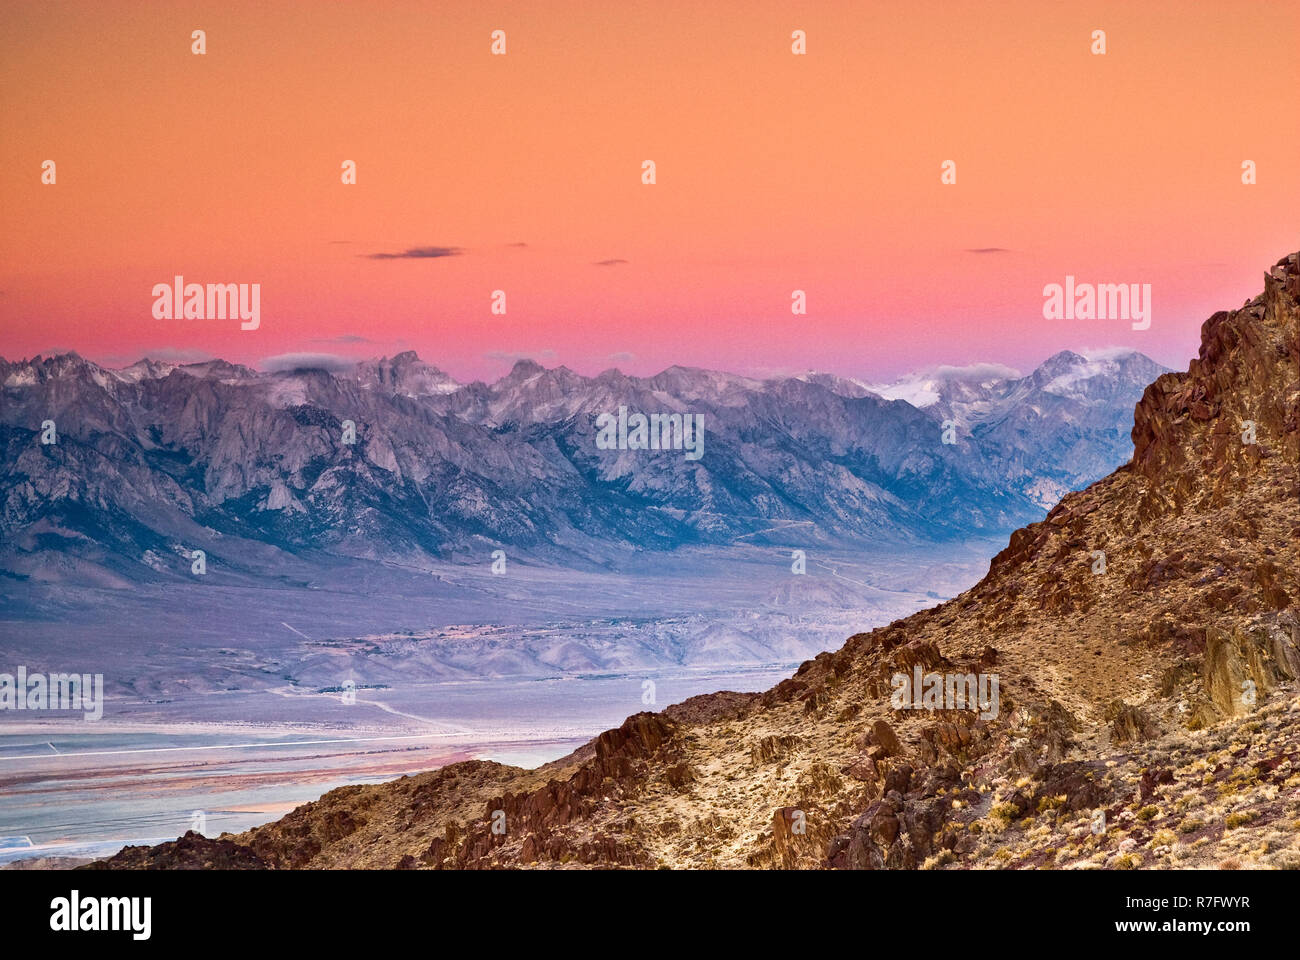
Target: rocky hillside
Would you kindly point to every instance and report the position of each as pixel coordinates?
(1146, 645)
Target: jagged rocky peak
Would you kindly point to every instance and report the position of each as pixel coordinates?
(55, 366)
(1076, 366)
(217, 369)
(528, 382)
(1061, 361)
(844, 386)
(524, 369)
(145, 369)
(1196, 433)
(404, 374)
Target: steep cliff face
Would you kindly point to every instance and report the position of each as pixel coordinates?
(1189, 428)
(1145, 644)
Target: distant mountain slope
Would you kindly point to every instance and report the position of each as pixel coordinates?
(1045, 432)
(159, 459)
(1146, 713)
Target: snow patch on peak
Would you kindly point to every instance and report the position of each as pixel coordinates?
(1108, 353)
(929, 387)
(919, 393)
(1065, 382)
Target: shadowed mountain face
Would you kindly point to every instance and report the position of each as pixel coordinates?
(156, 460)
(1146, 646)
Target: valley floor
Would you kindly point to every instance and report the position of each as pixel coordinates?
(79, 789)
(227, 708)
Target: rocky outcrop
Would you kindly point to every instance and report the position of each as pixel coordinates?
(191, 852)
(1196, 433)
(905, 827)
(1130, 723)
(530, 827)
(1244, 664)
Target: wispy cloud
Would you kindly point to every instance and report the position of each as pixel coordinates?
(987, 250)
(608, 263)
(621, 357)
(281, 362)
(417, 253)
(1105, 353)
(976, 372)
(520, 355)
(344, 338)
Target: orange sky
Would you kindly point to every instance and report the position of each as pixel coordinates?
(775, 172)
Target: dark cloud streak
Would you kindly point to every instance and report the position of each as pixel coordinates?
(417, 253)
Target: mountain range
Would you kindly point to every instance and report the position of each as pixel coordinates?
(1145, 636)
(156, 460)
